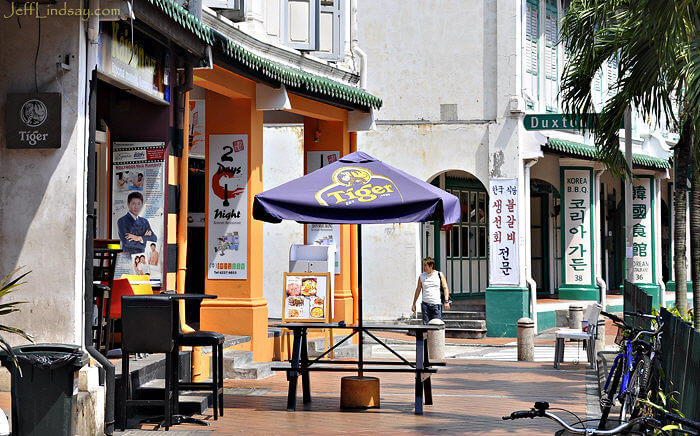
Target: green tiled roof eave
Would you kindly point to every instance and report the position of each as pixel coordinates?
(289, 76)
(587, 151)
(295, 78)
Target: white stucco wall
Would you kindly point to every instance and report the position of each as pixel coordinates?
(283, 160)
(444, 50)
(42, 191)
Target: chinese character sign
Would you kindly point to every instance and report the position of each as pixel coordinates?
(503, 231)
(576, 227)
(228, 211)
(642, 230)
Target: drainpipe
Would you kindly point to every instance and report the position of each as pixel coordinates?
(355, 44)
(528, 248)
(598, 278)
(91, 70)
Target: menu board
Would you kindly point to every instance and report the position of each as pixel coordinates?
(307, 297)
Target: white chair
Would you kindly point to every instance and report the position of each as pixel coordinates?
(588, 336)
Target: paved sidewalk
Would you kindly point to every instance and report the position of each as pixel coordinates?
(469, 397)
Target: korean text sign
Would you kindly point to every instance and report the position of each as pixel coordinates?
(576, 226)
(503, 231)
(642, 230)
(227, 233)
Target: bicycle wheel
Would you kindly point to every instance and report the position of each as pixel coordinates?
(607, 399)
(637, 388)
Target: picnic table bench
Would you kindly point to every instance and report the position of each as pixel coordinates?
(300, 364)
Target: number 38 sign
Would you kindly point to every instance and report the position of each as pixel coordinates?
(227, 213)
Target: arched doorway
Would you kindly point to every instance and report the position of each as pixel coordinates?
(461, 251)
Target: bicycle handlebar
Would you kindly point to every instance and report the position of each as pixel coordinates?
(536, 412)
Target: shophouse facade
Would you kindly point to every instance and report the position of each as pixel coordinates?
(155, 100)
(542, 219)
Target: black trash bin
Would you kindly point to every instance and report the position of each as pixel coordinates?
(43, 398)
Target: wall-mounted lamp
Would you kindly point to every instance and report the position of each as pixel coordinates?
(317, 133)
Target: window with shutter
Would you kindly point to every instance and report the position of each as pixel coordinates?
(531, 55)
(611, 77)
(331, 30)
(300, 24)
(597, 91)
(551, 70)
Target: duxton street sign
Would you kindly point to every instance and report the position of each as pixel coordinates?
(554, 122)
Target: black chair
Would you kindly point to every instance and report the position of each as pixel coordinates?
(147, 327)
(104, 263)
(216, 385)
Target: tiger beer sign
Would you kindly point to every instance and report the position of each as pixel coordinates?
(353, 184)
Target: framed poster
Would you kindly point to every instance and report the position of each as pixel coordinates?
(306, 297)
(138, 210)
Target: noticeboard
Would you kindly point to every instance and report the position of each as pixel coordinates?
(306, 297)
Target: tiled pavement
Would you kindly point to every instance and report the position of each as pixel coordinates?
(469, 398)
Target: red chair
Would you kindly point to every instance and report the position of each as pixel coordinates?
(120, 287)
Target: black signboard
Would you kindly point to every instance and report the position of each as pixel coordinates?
(33, 120)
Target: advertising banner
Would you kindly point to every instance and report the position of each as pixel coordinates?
(503, 231)
(323, 234)
(197, 131)
(227, 233)
(642, 230)
(138, 216)
(577, 233)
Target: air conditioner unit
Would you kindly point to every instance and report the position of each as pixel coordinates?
(234, 10)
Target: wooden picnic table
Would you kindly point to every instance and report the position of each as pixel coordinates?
(300, 364)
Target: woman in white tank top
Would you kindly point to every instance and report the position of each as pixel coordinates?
(429, 284)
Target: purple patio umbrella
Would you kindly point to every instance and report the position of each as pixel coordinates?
(357, 189)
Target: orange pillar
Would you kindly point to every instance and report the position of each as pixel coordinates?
(323, 135)
(240, 308)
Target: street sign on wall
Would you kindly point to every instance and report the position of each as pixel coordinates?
(555, 122)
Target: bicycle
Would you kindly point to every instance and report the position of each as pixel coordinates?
(644, 424)
(632, 368)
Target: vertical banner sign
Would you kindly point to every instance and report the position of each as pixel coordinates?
(577, 234)
(138, 216)
(227, 233)
(642, 230)
(196, 133)
(323, 234)
(503, 231)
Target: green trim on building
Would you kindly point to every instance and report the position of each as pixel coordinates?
(573, 292)
(504, 307)
(289, 76)
(587, 151)
(671, 286)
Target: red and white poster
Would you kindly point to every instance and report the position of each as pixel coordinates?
(138, 216)
(227, 232)
(197, 128)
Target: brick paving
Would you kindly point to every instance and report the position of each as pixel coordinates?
(469, 398)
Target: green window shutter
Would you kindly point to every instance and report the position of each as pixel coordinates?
(531, 55)
(551, 67)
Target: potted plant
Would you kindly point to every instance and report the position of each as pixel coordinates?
(8, 285)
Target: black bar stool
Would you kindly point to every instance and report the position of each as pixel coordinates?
(214, 340)
(147, 327)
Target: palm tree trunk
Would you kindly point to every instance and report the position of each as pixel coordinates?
(682, 157)
(695, 235)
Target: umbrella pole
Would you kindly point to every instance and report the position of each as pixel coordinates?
(359, 300)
